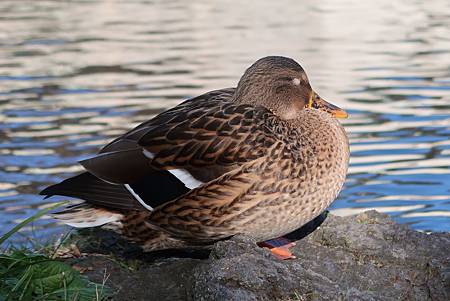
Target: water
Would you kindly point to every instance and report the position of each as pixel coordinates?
(75, 74)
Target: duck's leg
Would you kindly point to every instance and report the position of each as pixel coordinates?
(279, 247)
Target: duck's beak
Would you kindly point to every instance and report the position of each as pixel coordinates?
(319, 103)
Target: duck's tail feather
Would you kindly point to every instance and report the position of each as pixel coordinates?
(85, 215)
(95, 191)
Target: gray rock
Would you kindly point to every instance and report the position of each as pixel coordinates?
(365, 257)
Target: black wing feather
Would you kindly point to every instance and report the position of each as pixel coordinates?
(87, 187)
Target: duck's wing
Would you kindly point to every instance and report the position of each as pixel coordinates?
(211, 140)
(195, 147)
(172, 154)
(121, 172)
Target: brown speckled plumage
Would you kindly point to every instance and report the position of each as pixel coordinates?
(269, 156)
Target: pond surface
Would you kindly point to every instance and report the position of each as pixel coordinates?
(75, 74)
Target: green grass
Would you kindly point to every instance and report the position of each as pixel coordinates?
(26, 275)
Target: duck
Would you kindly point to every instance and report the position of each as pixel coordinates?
(260, 159)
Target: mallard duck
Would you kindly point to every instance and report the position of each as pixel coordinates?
(261, 159)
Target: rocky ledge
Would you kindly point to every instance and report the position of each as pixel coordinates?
(364, 257)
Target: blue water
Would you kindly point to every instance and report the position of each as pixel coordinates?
(73, 75)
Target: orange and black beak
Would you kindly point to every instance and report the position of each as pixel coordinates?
(319, 103)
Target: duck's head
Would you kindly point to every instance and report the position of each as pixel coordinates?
(280, 84)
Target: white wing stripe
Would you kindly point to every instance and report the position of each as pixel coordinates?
(188, 180)
(138, 198)
(181, 174)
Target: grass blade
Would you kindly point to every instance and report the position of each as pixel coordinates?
(29, 220)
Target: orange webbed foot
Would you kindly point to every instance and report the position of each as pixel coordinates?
(279, 247)
(283, 252)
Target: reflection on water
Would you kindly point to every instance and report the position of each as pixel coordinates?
(75, 74)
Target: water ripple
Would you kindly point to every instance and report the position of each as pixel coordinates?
(73, 75)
